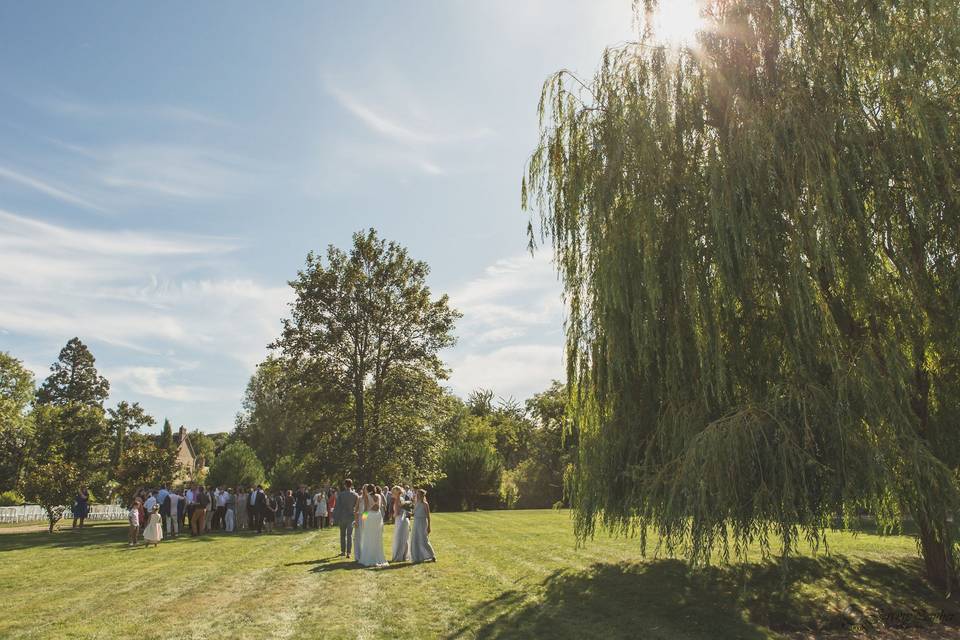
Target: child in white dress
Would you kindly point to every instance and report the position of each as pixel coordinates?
(153, 534)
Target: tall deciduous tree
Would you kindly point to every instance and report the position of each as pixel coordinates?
(143, 464)
(204, 446)
(74, 434)
(540, 478)
(278, 408)
(74, 379)
(16, 392)
(70, 446)
(51, 484)
(366, 323)
(759, 240)
(123, 421)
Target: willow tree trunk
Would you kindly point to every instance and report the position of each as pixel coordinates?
(938, 558)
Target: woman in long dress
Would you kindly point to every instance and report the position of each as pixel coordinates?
(358, 520)
(153, 533)
(320, 509)
(288, 504)
(243, 499)
(271, 513)
(230, 516)
(420, 549)
(401, 529)
(81, 506)
(371, 532)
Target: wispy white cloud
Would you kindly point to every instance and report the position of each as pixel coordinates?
(177, 113)
(160, 383)
(511, 332)
(178, 171)
(512, 296)
(391, 126)
(132, 289)
(119, 176)
(518, 371)
(405, 135)
(47, 188)
(29, 234)
(380, 123)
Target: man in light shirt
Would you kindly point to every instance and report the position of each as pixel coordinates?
(229, 518)
(162, 494)
(173, 522)
(190, 497)
(219, 518)
(151, 502)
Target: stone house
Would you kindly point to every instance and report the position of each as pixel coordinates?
(189, 463)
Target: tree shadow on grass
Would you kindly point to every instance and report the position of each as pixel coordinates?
(102, 534)
(312, 562)
(91, 535)
(349, 565)
(666, 599)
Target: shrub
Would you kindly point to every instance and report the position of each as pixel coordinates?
(472, 476)
(236, 465)
(10, 499)
(287, 473)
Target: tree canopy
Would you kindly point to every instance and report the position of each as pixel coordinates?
(51, 484)
(758, 238)
(364, 326)
(143, 464)
(16, 392)
(165, 441)
(236, 465)
(74, 379)
(124, 420)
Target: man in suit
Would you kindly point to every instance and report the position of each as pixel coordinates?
(300, 503)
(343, 515)
(259, 502)
(252, 507)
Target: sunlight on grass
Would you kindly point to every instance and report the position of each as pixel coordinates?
(501, 574)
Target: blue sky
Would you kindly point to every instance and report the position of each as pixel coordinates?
(165, 168)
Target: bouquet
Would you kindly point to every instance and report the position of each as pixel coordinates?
(407, 506)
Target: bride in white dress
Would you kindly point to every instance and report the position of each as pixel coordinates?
(370, 523)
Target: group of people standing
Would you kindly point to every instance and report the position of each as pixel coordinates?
(200, 509)
(360, 516)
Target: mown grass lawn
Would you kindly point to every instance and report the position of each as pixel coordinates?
(508, 574)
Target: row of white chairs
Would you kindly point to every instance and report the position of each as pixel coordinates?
(36, 513)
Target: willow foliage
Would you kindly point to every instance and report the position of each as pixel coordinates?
(758, 238)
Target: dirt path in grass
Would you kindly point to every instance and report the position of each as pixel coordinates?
(22, 528)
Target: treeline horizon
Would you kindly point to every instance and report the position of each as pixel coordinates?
(353, 387)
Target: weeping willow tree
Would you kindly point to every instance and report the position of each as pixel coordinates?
(758, 239)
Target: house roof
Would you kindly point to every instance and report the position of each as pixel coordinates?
(184, 439)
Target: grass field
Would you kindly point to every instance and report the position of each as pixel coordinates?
(507, 574)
